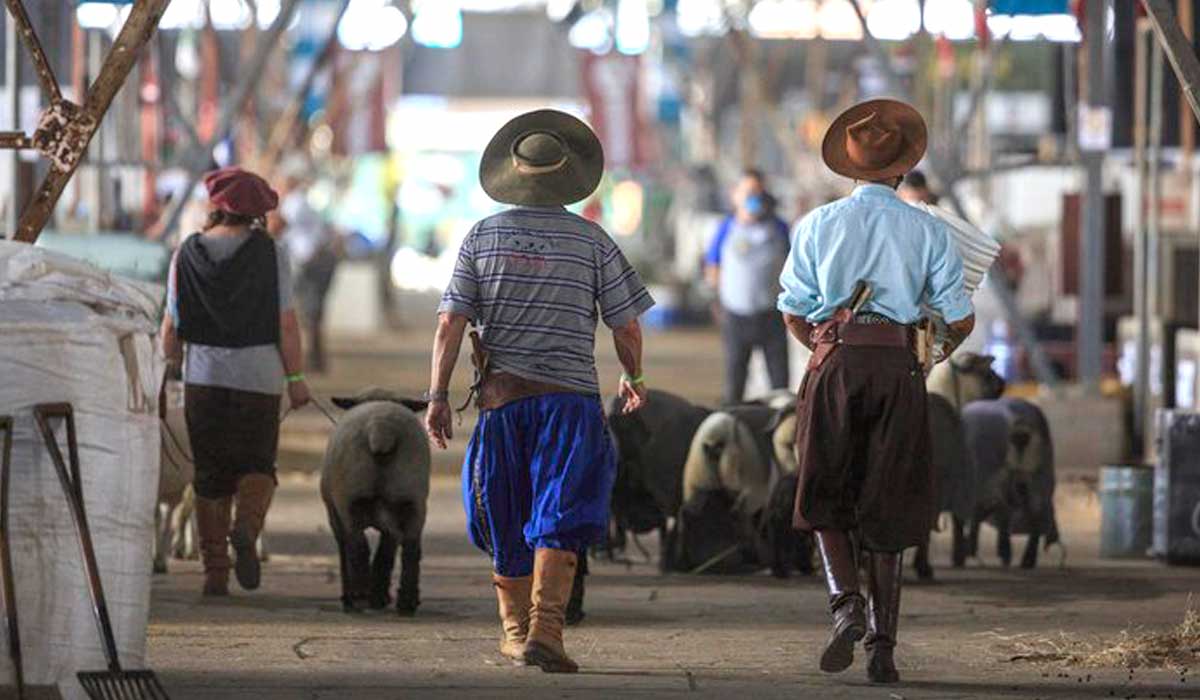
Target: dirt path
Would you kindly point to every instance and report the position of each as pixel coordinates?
(645, 635)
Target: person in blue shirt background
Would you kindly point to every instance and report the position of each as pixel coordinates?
(743, 264)
(862, 433)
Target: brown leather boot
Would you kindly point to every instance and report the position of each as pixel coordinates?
(553, 574)
(254, 492)
(212, 521)
(513, 595)
(884, 572)
(845, 602)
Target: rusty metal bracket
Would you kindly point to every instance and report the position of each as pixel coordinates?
(65, 129)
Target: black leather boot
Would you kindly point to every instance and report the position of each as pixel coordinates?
(884, 571)
(845, 602)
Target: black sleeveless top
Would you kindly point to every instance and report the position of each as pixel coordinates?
(229, 303)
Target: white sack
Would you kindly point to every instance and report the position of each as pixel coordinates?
(70, 332)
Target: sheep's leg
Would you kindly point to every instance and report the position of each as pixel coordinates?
(1029, 561)
(382, 565)
(960, 544)
(973, 537)
(804, 554)
(162, 542)
(339, 535)
(781, 553)
(1004, 540)
(921, 561)
(664, 549)
(408, 595)
(575, 613)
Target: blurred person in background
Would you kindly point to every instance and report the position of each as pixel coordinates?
(743, 264)
(915, 188)
(314, 252)
(231, 332)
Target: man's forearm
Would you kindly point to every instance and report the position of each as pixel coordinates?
(957, 332)
(628, 342)
(800, 329)
(447, 342)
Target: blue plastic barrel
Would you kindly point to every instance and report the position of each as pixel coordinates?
(1126, 510)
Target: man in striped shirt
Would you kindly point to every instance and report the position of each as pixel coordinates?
(534, 280)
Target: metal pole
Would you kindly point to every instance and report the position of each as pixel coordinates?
(1154, 191)
(1141, 307)
(1089, 338)
(12, 81)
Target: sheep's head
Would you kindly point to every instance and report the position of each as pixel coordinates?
(783, 441)
(965, 378)
(1023, 459)
(374, 393)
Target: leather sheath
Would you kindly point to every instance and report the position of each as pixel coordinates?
(500, 388)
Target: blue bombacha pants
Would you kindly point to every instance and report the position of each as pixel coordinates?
(538, 474)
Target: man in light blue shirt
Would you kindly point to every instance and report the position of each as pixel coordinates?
(862, 436)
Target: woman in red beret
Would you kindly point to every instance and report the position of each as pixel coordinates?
(231, 329)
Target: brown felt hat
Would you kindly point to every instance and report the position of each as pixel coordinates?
(542, 158)
(875, 140)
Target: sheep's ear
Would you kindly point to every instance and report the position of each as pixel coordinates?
(414, 405)
(344, 403)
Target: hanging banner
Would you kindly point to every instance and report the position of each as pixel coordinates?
(611, 84)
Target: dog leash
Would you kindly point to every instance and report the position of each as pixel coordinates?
(315, 401)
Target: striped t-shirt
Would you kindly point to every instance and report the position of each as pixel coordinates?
(535, 280)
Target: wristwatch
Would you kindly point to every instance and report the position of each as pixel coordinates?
(437, 395)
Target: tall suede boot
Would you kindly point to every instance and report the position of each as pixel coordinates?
(553, 574)
(212, 521)
(884, 572)
(254, 492)
(514, 597)
(845, 602)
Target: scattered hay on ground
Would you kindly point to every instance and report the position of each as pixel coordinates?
(1178, 648)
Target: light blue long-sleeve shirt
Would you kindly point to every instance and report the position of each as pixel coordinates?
(907, 256)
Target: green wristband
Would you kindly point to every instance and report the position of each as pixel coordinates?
(640, 379)
(293, 378)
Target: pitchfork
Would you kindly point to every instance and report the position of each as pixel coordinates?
(114, 683)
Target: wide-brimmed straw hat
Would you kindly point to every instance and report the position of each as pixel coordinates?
(542, 158)
(875, 140)
(240, 192)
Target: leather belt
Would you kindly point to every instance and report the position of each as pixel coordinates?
(500, 388)
(829, 335)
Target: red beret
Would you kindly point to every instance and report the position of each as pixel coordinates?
(240, 192)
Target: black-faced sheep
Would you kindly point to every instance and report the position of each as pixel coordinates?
(376, 475)
(726, 482)
(1013, 453)
(652, 447)
(958, 480)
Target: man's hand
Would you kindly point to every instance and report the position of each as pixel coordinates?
(299, 394)
(438, 422)
(634, 394)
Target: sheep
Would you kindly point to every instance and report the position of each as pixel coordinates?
(376, 475)
(174, 527)
(652, 447)
(958, 478)
(1010, 443)
(725, 488)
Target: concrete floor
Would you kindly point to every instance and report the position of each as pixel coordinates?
(645, 635)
